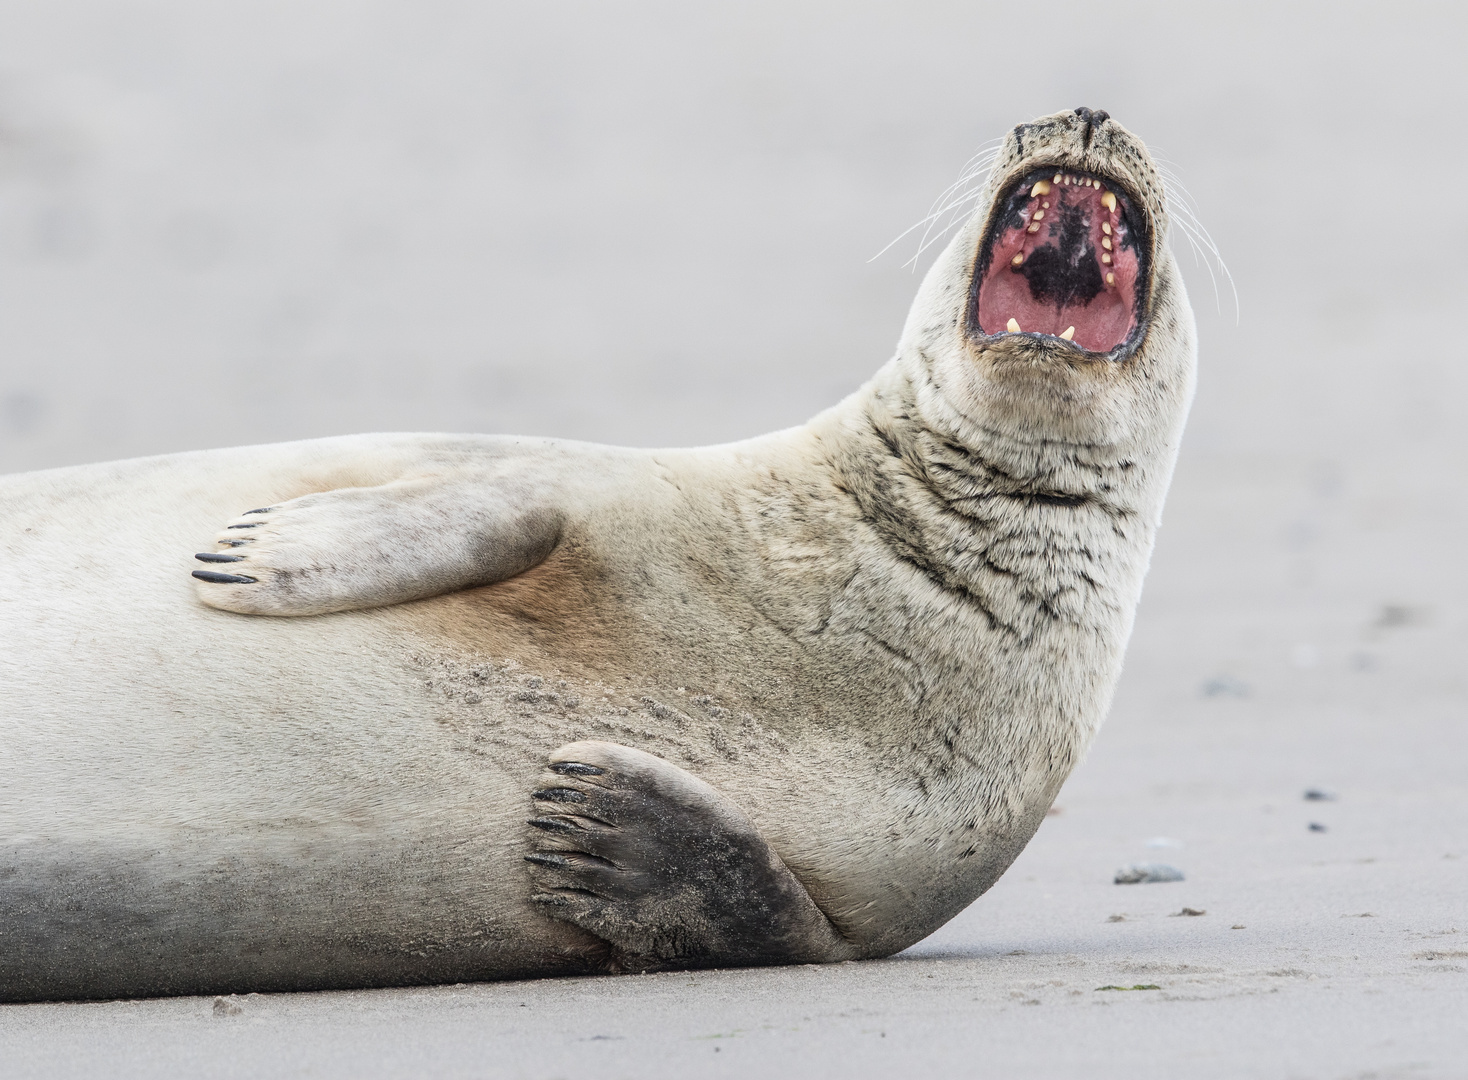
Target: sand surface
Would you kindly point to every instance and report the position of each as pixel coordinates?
(649, 224)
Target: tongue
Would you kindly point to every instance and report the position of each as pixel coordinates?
(1069, 262)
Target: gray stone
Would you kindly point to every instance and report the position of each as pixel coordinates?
(1147, 873)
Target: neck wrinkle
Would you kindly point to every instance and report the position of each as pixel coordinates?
(1021, 543)
(962, 463)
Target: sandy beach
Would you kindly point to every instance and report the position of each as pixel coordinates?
(653, 226)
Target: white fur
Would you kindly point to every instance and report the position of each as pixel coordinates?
(888, 636)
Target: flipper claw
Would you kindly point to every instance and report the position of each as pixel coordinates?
(215, 578)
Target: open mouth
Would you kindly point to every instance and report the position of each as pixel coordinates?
(1066, 257)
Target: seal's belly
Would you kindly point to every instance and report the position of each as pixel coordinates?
(192, 799)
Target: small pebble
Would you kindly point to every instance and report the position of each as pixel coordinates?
(1316, 795)
(1190, 911)
(1147, 873)
(1238, 926)
(227, 1006)
(1315, 826)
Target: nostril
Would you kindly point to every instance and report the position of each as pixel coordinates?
(1091, 120)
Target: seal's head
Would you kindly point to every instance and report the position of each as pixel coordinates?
(1057, 312)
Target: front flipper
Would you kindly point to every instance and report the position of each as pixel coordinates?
(372, 546)
(664, 869)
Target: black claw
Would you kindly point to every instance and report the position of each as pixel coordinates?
(224, 579)
(246, 525)
(545, 859)
(214, 556)
(555, 794)
(565, 896)
(575, 768)
(262, 510)
(555, 824)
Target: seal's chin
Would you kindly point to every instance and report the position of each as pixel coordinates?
(1065, 259)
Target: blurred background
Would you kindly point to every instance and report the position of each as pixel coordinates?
(653, 223)
(650, 223)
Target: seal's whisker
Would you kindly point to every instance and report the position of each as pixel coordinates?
(927, 224)
(951, 209)
(1206, 252)
(1183, 208)
(935, 232)
(969, 186)
(1199, 256)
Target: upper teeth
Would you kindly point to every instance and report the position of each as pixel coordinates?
(1042, 187)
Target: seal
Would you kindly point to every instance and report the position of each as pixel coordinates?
(457, 708)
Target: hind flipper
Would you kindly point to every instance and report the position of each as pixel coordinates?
(664, 869)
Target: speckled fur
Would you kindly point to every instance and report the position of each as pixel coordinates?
(886, 636)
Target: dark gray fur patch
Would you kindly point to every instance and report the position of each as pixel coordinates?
(88, 921)
(671, 882)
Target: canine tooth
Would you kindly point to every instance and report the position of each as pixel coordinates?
(1106, 243)
(1042, 187)
(1012, 326)
(1018, 259)
(1069, 334)
(1108, 200)
(1106, 227)
(1111, 279)
(1106, 258)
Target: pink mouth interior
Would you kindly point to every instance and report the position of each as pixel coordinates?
(1065, 256)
